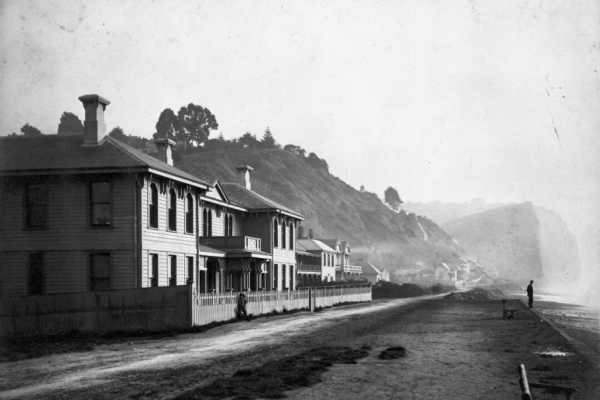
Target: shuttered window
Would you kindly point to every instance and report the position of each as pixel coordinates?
(99, 272)
(36, 208)
(36, 276)
(153, 206)
(101, 203)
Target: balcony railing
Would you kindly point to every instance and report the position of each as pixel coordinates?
(353, 268)
(232, 242)
(308, 268)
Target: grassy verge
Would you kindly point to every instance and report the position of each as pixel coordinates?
(274, 378)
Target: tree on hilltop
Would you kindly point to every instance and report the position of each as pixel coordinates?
(195, 124)
(29, 130)
(392, 198)
(295, 149)
(248, 139)
(117, 133)
(167, 126)
(268, 141)
(70, 124)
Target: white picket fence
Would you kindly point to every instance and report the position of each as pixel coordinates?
(207, 308)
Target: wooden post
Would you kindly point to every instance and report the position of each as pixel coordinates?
(526, 391)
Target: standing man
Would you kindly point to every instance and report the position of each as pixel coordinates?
(530, 294)
(241, 308)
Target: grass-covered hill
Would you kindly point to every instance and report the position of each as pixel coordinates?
(522, 240)
(331, 207)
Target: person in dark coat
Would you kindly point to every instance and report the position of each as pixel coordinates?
(530, 294)
(241, 307)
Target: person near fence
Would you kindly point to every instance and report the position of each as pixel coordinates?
(530, 294)
(241, 308)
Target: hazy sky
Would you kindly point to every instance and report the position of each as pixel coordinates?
(444, 100)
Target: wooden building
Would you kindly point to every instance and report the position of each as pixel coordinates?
(325, 257)
(89, 213)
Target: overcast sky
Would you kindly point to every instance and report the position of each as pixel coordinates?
(444, 100)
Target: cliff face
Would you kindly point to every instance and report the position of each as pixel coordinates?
(331, 207)
(523, 241)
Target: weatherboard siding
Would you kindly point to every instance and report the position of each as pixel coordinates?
(69, 238)
(164, 242)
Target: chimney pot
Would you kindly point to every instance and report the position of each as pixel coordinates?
(164, 146)
(243, 172)
(94, 128)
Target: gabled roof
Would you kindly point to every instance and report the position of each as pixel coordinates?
(314, 245)
(367, 267)
(332, 243)
(238, 194)
(48, 154)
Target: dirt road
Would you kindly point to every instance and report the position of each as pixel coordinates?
(454, 349)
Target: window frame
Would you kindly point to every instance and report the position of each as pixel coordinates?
(292, 236)
(153, 206)
(92, 203)
(172, 270)
(190, 266)
(172, 210)
(189, 214)
(92, 279)
(153, 280)
(29, 206)
(275, 233)
(40, 284)
(275, 275)
(284, 276)
(283, 235)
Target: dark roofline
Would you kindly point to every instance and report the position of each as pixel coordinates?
(274, 206)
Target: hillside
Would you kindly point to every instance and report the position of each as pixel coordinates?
(523, 241)
(331, 207)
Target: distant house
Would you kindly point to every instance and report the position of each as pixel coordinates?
(89, 213)
(369, 271)
(385, 274)
(344, 270)
(325, 258)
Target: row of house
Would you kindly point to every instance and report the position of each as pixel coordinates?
(467, 272)
(89, 213)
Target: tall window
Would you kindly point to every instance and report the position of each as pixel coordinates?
(153, 206)
(172, 270)
(275, 233)
(207, 222)
(292, 237)
(36, 273)
(275, 275)
(189, 214)
(36, 207)
(283, 234)
(101, 203)
(284, 276)
(99, 272)
(228, 225)
(153, 271)
(190, 270)
(172, 210)
(291, 276)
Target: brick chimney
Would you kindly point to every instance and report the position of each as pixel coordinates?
(243, 172)
(165, 149)
(94, 128)
(310, 233)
